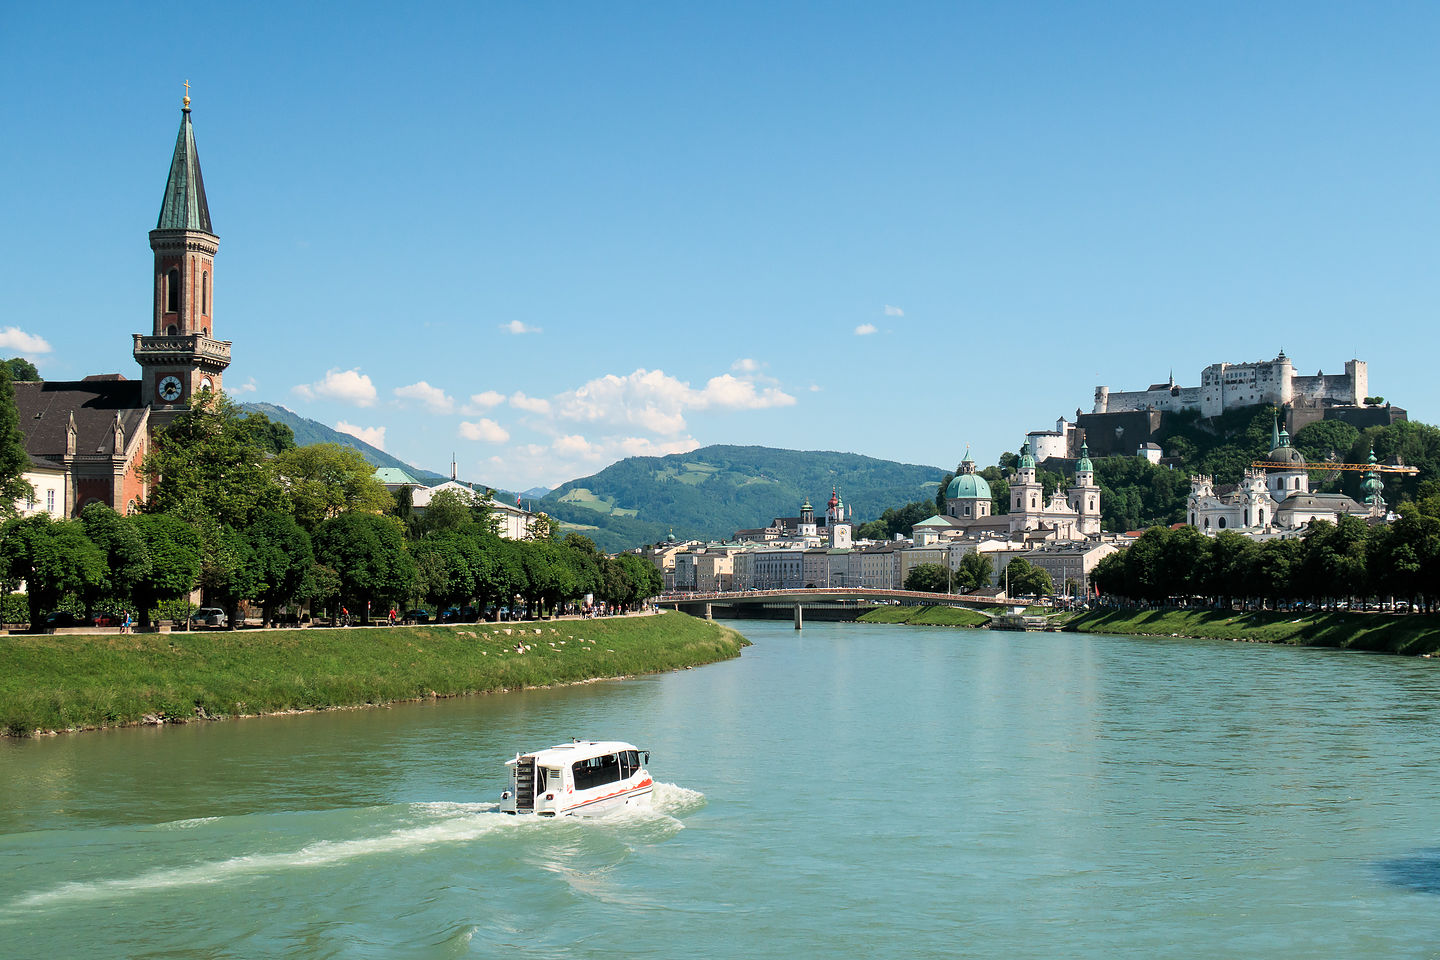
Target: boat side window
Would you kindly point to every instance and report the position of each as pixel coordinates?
(629, 763)
(539, 780)
(596, 771)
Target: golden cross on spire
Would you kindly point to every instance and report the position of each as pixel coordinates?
(187, 94)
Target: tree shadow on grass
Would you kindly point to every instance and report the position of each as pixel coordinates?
(1419, 871)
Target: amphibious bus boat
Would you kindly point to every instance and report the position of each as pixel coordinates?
(584, 778)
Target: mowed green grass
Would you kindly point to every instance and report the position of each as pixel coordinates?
(935, 616)
(1412, 634)
(84, 681)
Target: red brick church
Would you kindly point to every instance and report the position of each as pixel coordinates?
(91, 435)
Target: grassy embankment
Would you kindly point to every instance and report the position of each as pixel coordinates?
(926, 616)
(1411, 634)
(69, 682)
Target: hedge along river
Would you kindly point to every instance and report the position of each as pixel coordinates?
(851, 790)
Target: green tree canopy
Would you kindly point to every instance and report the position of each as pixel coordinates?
(53, 557)
(22, 369)
(175, 553)
(928, 578)
(14, 461)
(324, 479)
(367, 553)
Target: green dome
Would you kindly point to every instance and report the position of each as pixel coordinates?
(968, 486)
(1085, 463)
(1027, 462)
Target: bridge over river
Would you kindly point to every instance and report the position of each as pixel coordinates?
(827, 603)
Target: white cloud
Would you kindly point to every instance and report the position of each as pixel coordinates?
(375, 436)
(13, 338)
(347, 386)
(485, 431)
(655, 402)
(516, 327)
(433, 397)
(865, 329)
(248, 386)
(480, 402)
(816, 388)
(745, 365)
(529, 404)
(893, 311)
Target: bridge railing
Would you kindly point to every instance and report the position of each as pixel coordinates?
(829, 593)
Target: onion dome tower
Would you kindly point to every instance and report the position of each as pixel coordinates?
(1372, 487)
(1026, 490)
(1085, 495)
(180, 357)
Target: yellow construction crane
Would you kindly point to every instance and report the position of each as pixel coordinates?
(1366, 467)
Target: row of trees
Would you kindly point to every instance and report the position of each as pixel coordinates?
(239, 511)
(975, 572)
(1332, 562)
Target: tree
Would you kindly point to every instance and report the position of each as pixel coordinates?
(367, 553)
(928, 578)
(976, 571)
(127, 559)
(324, 479)
(449, 511)
(53, 557)
(940, 494)
(269, 435)
(14, 461)
(209, 464)
(175, 553)
(447, 566)
(280, 557)
(22, 369)
(1024, 579)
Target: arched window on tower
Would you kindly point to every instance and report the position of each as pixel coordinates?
(172, 291)
(205, 292)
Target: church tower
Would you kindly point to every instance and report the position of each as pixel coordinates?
(1025, 492)
(1085, 495)
(180, 357)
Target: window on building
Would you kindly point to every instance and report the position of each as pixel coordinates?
(1221, 523)
(50, 500)
(170, 331)
(205, 292)
(1261, 518)
(172, 291)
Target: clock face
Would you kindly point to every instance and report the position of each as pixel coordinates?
(170, 389)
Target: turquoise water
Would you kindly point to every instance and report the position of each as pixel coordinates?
(850, 791)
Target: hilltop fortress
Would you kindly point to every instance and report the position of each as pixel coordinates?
(1225, 386)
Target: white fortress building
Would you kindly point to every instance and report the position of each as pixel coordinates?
(1225, 386)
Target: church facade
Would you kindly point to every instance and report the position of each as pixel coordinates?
(1276, 501)
(88, 438)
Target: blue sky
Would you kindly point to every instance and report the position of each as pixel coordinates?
(546, 236)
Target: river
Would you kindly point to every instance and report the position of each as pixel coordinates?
(851, 790)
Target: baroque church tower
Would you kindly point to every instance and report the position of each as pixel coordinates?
(181, 357)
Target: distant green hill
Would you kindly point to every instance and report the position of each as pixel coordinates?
(712, 492)
(309, 431)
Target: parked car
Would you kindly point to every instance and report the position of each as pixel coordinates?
(60, 618)
(211, 617)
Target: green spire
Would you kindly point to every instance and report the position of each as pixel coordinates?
(184, 207)
(1027, 462)
(1085, 464)
(1275, 431)
(1372, 485)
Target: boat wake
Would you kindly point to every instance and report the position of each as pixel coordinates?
(419, 826)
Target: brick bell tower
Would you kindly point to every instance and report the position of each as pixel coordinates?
(180, 357)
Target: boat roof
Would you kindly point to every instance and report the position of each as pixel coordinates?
(579, 750)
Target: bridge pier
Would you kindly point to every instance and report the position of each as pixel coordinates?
(709, 612)
(799, 619)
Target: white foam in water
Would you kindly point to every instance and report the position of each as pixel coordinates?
(464, 822)
(458, 823)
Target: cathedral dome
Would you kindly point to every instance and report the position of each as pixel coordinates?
(1284, 453)
(968, 486)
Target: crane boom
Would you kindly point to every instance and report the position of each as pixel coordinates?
(1377, 467)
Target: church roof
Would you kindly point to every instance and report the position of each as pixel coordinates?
(968, 486)
(45, 408)
(184, 207)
